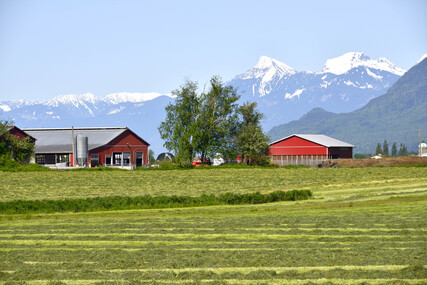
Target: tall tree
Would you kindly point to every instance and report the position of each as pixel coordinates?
(217, 117)
(251, 143)
(394, 149)
(385, 147)
(180, 128)
(403, 151)
(378, 150)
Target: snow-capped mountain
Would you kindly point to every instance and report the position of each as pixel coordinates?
(342, 64)
(268, 70)
(142, 112)
(345, 83)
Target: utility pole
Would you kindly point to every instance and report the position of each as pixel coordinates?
(419, 142)
(74, 149)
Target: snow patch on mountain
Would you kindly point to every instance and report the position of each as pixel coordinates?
(297, 93)
(370, 73)
(115, 111)
(422, 58)
(5, 108)
(342, 64)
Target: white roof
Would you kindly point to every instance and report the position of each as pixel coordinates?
(319, 139)
(59, 140)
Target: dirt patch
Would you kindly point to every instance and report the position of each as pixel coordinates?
(385, 161)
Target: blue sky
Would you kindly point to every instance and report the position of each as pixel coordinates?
(51, 48)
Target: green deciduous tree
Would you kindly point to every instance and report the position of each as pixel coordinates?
(199, 124)
(217, 118)
(180, 129)
(151, 158)
(251, 143)
(13, 147)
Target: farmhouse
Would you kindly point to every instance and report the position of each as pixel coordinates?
(308, 149)
(114, 147)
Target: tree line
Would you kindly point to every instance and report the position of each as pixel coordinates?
(384, 150)
(212, 122)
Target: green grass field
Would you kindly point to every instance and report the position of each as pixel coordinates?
(363, 226)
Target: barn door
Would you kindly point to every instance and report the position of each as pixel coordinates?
(139, 159)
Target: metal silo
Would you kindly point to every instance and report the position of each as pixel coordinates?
(82, 149)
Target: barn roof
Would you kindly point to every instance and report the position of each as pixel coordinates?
(318, 139)
(14, 129)
(60, 140)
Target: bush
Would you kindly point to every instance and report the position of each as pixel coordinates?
(10, 165)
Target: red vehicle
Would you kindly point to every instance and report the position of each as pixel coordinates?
(198, 162)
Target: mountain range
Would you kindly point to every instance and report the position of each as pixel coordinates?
(283, 94)
(345, 84)
(141, 112)
(396, 116)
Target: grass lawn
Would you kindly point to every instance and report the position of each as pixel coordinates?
(364, 226)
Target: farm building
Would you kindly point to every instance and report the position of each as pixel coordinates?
(308, 149)
(14, 130)
(113, 147)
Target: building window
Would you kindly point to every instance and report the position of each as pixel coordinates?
(117, 158)
(126, 158)
(45, 158)
(62, 158)
(94, 160)
(108, 159)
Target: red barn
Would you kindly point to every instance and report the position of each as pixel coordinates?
(113, 147)
(14, 130)
(308, 149)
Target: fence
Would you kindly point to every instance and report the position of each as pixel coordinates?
(298, 159)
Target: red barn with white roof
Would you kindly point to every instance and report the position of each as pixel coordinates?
(308, 149)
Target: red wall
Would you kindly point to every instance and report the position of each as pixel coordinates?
(297, 146)
(19, 133)
(126, 142)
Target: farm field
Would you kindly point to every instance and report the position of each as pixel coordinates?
(364, 226)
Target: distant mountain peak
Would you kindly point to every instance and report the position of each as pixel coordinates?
(266, 62)
(422, 58)
(342, 64)
(267, 68)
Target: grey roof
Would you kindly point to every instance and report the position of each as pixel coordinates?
(319, 139)
(59, 140)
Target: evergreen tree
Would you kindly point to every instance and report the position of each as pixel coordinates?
(394, 149)
(378, 150)
(385, 148)
(403, 151)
